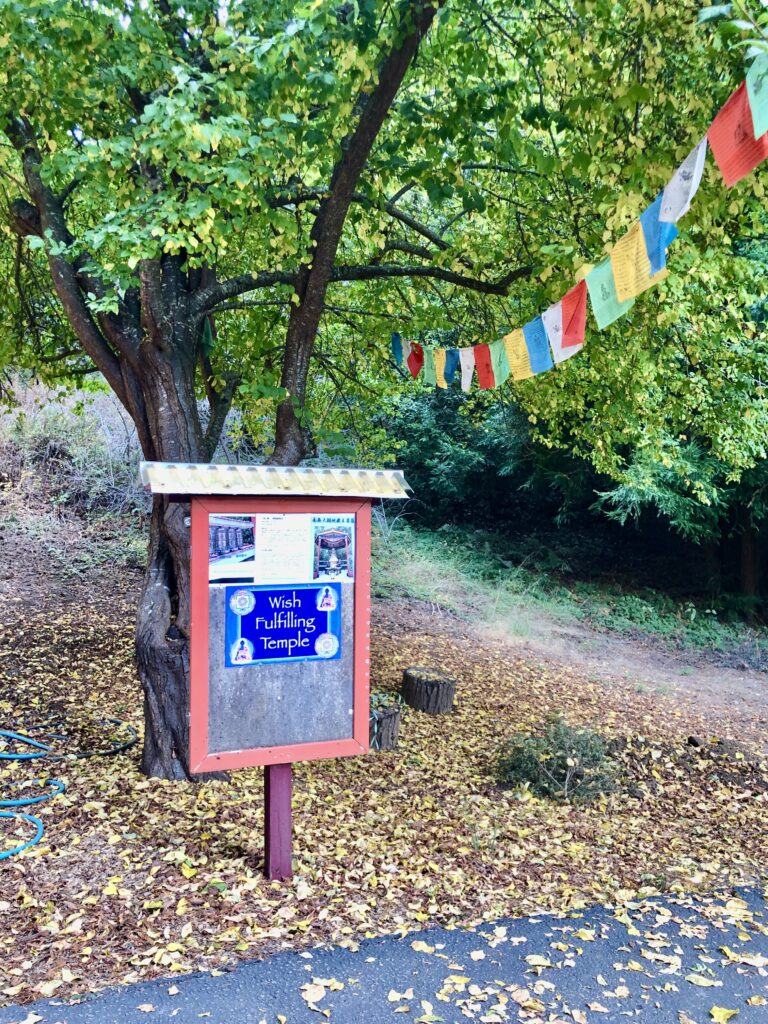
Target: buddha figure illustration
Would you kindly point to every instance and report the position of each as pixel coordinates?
(243, 652)
(327, 600)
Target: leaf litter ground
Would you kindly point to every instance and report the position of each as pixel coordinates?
(137, 878)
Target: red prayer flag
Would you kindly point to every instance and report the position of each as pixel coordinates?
(574, 307)
(484, 367)
(732, 138)
(415, 359)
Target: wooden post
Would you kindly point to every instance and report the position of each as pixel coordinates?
(278, 781)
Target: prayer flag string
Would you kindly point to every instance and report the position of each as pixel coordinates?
(738, 138)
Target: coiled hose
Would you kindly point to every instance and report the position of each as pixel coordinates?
(37, 749)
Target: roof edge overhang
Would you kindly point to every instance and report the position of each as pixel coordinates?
(183, 478)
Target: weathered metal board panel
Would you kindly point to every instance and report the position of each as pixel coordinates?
(278, 703)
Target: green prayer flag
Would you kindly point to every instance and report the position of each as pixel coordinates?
(499, 361)
(757, 93)
(602, 294)
(430, 377)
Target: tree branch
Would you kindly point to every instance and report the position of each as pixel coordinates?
(219, 408)
(47, 216)
(211, 295)
(384, 271)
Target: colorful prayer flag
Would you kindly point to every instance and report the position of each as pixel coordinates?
(683, 185)
(467, 361)
(602, 294)
(757, 93)
(631, 266)
(440, 368)
(517, 355)
(574, 305)
(484, 366)
(397, 348)
(552, 319)
(499, 362)
(658, 235)
(732, 138)
(429, 367)
(537, 345)
(452, 363)
(415, 359)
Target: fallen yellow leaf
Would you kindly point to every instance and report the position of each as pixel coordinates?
(702, 982)
(721, 1015)
(421, 946)
(312, 993)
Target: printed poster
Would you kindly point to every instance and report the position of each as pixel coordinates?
(281, 548)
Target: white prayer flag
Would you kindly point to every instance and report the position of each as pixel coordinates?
(683, 185)
(553, 325)
(467, 359)
(406, 351)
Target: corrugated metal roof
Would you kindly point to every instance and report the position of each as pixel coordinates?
(203, 478)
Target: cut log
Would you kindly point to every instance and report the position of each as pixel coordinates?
(429, 690)
(385, 728)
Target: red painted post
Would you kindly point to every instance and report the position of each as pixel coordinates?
(278, 782)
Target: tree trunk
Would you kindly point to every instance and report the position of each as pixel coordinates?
(713, 564)
(162, 651)
(163, 616)
(749, 571)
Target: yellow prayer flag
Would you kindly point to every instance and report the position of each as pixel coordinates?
(631, 266)
(517, 355)
(440, 368)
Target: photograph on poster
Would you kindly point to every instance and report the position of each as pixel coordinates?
(333, 547)
(295, 623)
(231, 548)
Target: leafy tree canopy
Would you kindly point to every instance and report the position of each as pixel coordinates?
(522, 143)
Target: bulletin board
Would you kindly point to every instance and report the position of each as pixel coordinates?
(280, 623)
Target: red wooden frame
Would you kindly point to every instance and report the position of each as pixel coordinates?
(201, 760)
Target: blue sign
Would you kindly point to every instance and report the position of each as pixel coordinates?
(299, 623)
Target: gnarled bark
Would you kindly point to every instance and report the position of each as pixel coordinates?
(163, 615)
(162, 652)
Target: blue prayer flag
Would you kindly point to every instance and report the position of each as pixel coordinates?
(658, 235)
(397, 348)
(452, 360)
(538, 346)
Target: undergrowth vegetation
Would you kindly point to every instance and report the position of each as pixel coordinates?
(69, 481)
(511, 583)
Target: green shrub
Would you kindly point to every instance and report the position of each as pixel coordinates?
(564, 763)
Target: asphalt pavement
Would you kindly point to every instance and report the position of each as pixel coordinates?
(666, 961)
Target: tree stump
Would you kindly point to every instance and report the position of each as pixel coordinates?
(385, 728)
(429, 690)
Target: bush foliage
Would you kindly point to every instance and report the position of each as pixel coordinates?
(564, 763)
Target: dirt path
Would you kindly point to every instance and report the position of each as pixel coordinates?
(711, 688)
(713, 693)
